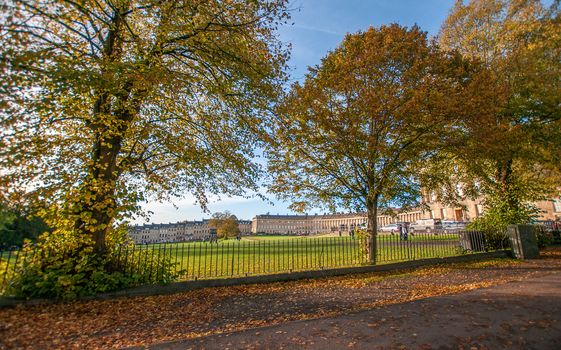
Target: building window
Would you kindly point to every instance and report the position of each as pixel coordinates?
(433, 197)
(557, 205)
(479, 209)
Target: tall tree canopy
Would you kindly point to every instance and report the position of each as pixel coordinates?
(366, 120)
(106, 102)
(512, 154)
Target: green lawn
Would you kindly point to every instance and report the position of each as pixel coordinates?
(255, 255)
(271, 238)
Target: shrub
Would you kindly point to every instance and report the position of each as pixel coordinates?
(63, 266)
(499, 213)
(6, 274)
(362, 237)
(495, 234)
(543, 235)
(497, 238)
(144, 266)
(556, 236)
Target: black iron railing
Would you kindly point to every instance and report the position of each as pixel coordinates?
(259, 255)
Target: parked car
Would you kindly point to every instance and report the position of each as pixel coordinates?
(394, 228)
(450, 225)
(426, 225)
(389, 228)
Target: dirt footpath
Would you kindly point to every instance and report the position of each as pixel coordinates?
(414, 307)
(516, 315)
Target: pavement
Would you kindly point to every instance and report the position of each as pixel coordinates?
(516, 315)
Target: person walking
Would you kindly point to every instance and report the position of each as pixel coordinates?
(403, 232)
(400, 228)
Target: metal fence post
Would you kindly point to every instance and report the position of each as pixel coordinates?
(233, 255)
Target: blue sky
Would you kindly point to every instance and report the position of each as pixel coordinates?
(319, 26)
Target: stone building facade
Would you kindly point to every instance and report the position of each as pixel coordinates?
(178, 232)
(172, 232)
(323, 223)
(466, 210)
(469, 209)
(245, 226)
(305, 224)
(551, 209)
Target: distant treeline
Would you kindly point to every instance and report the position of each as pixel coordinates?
(16, 226)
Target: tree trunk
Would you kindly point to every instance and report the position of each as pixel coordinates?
(96, 202)
(114, 112)
(504, 178)
(96, 205)
(372, 231)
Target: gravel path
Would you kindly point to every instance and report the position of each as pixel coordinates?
(516, 315)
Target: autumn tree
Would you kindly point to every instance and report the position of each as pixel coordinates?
(226, 224)
(106, 103)
(356, 133)
(510, 155)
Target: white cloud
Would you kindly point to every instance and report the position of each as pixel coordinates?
(316, 29)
